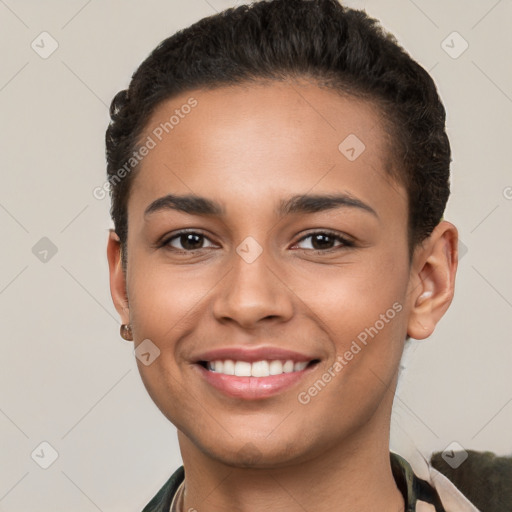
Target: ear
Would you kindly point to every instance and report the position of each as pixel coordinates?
(117, 277)
(432, 280)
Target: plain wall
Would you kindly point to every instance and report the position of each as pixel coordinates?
(66, 377)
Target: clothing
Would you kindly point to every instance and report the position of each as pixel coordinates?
(437, 494)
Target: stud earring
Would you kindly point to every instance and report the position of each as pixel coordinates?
(126, 332)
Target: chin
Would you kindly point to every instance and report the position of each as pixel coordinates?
(258, 454)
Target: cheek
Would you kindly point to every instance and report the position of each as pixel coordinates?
(164, 299)
(363, 314)
(164, 304)
(349, 298)
(361, 307)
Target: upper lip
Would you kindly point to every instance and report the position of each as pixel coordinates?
(252, 354)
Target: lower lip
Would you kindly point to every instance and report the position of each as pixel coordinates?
(253, 388)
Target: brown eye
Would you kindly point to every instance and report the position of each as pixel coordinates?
(324, 240)
(187, 241)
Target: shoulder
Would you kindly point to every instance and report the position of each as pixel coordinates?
(431, 493)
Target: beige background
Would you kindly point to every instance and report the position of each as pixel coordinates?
(65, 375)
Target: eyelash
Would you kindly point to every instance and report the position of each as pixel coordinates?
(344, 241)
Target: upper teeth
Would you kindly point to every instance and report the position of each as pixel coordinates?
(256, 369)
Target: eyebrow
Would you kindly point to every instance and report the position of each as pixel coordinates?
(304, 203)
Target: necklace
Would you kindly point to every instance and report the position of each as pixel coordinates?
(177, 501)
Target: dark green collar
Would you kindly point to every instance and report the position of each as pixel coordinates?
(162, 501)
(411, 487)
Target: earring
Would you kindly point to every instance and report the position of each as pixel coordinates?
(126, 332)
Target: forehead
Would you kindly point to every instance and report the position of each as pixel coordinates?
(264, 140)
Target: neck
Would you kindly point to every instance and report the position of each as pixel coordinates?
(352, 476)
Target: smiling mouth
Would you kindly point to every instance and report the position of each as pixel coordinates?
(263, 368)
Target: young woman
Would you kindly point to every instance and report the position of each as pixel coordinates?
(279, 173)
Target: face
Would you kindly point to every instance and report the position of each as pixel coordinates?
(292, 246)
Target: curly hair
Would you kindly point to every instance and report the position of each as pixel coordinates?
(275, 40)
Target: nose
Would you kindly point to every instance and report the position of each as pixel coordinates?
(253, 295)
